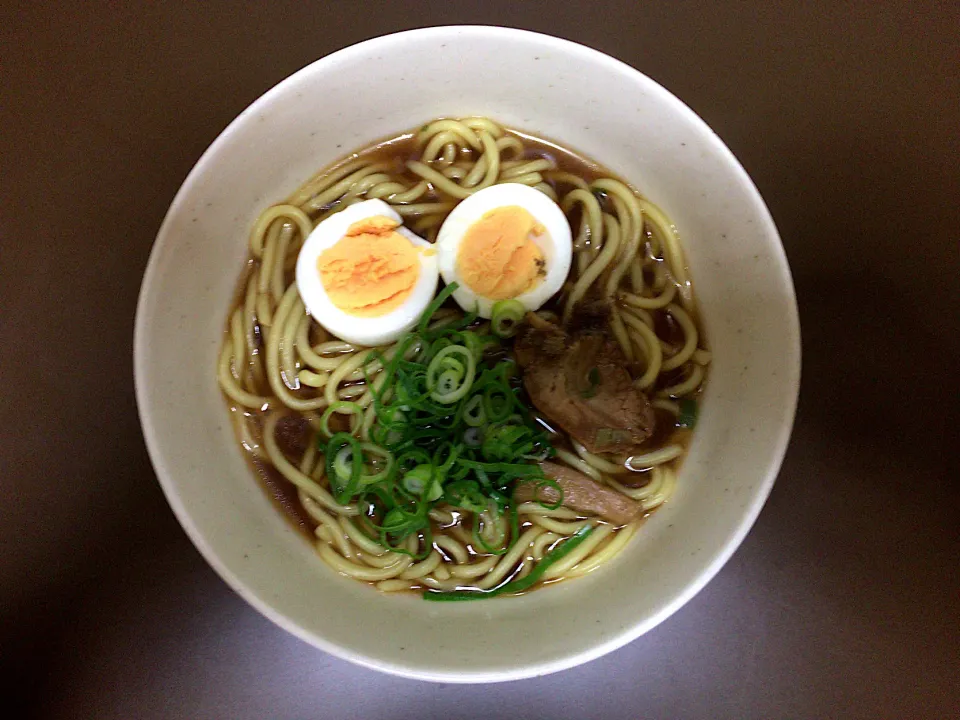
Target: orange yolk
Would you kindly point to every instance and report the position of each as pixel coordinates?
(497, 257)
(371, 270)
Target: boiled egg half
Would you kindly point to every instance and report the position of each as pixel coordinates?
(364, 276)
(506, 241)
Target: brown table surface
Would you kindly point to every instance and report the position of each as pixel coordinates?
(844, 601)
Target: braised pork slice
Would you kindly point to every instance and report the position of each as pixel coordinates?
(578, 378)
(580, 493)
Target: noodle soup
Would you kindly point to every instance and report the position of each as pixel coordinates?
(470, 456)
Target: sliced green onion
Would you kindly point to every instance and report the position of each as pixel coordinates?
(548, 482)
(344, 478)
(465, 494)
(505, 442)
(439, 300)
(505, 317)
(385, 460)
(499, 546)
(688, 413)
(418, 479)
(473, 413)
(447, 428)
(450, 374)
(452, 453)
(497, 402)
(343, 407)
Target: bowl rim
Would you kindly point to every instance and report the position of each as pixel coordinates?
(593, 650)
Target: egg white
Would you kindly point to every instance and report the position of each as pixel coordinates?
(368, 331)
(556, 243)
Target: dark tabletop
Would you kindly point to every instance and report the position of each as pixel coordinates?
(844, 601)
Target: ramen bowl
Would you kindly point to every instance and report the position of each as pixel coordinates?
(587, 102)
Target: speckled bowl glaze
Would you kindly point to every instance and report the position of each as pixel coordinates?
(588, 102)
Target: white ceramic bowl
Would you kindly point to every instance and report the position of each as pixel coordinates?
(591, 103)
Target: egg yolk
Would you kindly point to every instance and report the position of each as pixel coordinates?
(498, 258)
(371, 270)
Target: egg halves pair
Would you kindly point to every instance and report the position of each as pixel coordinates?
(368, 279)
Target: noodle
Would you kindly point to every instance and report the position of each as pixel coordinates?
(276, 362)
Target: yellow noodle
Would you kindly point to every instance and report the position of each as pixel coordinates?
(650, 303)
(455, 127)
(592, 215)
(453, 548)
(557, 526)
(663, 491)
(454, 172)
(631, 224)
(323, 180)
(531, 179)
(332, 535)
(691, 337)
(426, 208)
(376, 561)
(535, 508)
(643, 315)
(276, 275)
(441, 573)
(484, 172)
(336, 191)
(485, 124)
(542, 543)
(509, 560)
(655, 492)
(266, 220)
(655, 457)
(595, 461)
(355, 570)
(561, 176)
(288, 361)
(686, 387)
(473, 570)
(264, 314)
(620, 333)
(361, 539)
(397, 194)
(231, 388)
(672, 253)
(605, 553)
(424, 567)
(291, 473)
(509, 144)
(386, 189)
(269, 257)
(444, 517)
(236, 339)
(525, 168)
(312, 379)
(309, 456)
(439, 142)
(578, 464)
(560, 568)
(610, 246)
(546, 190)
(650, 345)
